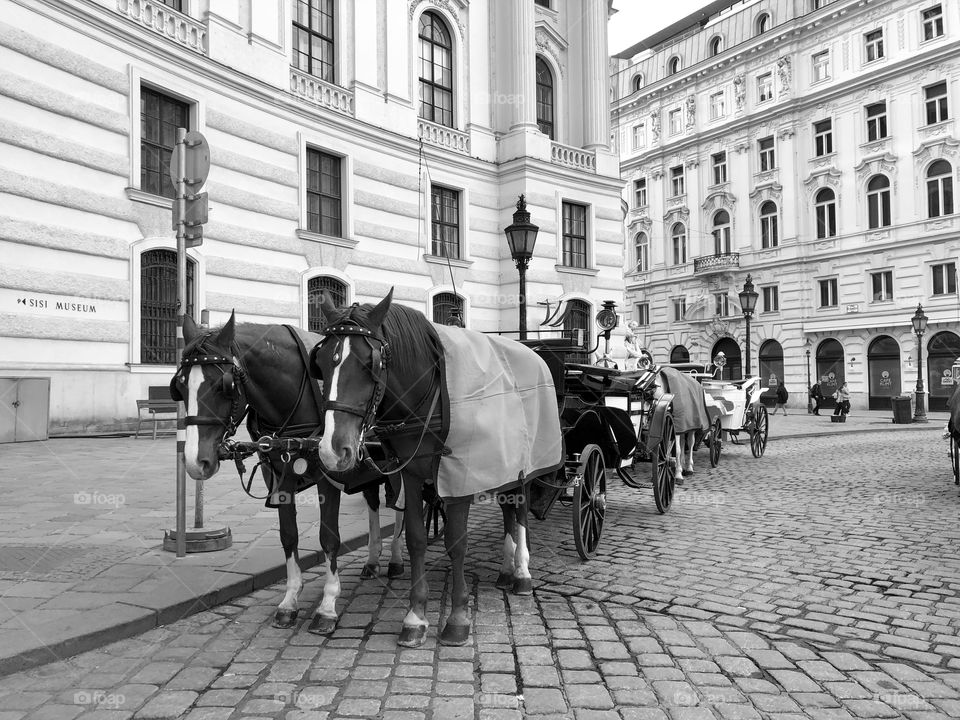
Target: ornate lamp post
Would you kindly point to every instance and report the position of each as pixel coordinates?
(919, 321)
(748, 303)
(521, 237)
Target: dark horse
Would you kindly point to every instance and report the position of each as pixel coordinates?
(384, 364)
(264, 368)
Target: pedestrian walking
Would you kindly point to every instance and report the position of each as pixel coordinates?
(782, 396)
(817, 394)
(842, 396)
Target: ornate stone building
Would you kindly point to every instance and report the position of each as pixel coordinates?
(355, 146)
(813, 145)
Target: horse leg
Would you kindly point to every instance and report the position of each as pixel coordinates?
(522, 583)
(374, 542)
(690, 439)
(678, 470)
(508, 567)
(457, 629)
(415, 624)
(286, 615)
(395, 568)
(324, 619)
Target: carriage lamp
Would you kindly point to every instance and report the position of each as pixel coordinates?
(748, 303)
(919, 321)
(521, 237)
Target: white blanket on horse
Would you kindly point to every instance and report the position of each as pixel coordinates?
(503, 419)
(689, 402)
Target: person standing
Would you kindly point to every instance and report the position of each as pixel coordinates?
(843, 401)
(817, 394)
(632, 345)
(782, 396)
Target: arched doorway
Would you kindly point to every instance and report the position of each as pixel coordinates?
(771, 370)
(733, 370)
(829, 370)
(679, 354)
(883, 370)
(942, 350)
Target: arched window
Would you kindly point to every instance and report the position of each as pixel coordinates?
(679, 236)
(878, 201)
(673, 65)
(771, 369)
(637, 82)
(939, 189)
(641, 246)
(578, 318)
(158, 305)
(830, 371)
(716, 45)
(334, 288)
(942, 349)
(679, 354)
(721, 233)
(883, 372)
(448, 309)
(825, 203)
(769, 233)
(436, 70)
(545, 98)
(762, 23)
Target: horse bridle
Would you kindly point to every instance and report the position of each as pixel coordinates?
(232, 380)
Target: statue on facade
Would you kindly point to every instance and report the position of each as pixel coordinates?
(783, 68)
(739, 91)
(691, 111)
(655, 125)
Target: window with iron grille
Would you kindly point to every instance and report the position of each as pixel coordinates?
(448, 309)
(935, 103)
(825, 207)
(640, 192)
(823, 137)
(878, 201)
(317, 287)
(932, 22)
(436, 70)
(445, 210)
(313, 38)
(768, 158)
(828, 292)
(574, 235)
(578, 319)
(939, 189)
(882, 283)
(158, 305)
(719, 167)
(769, 233)
(324, 212)
(944, 279)
(160, 116)
(873, 45)
(643, 314)
(544, 98)
(877, 121)
(771, 298)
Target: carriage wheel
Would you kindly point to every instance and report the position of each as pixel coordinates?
(434, 518)
(716, 442)
(758, 433)
(589, 503)
(663, 464)
(955, 459)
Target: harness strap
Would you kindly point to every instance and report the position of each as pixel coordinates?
(368, 461)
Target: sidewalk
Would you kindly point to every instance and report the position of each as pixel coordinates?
(81, 534)
(798, 423)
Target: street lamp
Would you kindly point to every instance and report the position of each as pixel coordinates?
(809, 399)
(748, 303)
(521, 237)
(919, 321)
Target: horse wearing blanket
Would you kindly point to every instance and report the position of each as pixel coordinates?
(689, 414)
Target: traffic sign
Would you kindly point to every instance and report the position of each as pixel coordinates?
(197, 163)
(196, 210)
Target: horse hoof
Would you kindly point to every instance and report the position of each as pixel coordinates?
(394, 570)
(523, 586)
(678, 481)
(321, 625)
(370, 570)
(412, 636)
(504, 581)
(688, 472)
(285, 619)
(455, 635)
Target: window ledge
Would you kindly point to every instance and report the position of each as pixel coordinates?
(825, 156)
(143, 369)
(822, 80)
(140, 196)
(326, 239)
(440, 260)
(576, 270)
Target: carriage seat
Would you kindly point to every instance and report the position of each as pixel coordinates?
(608, 381)
(158, 402)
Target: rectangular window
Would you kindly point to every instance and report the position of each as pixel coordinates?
(882, 283)
(175, 4)
(721, 304)
(932, 22)
(323, 193)
(676, 121)
(821, 66)
(574, 235)
(679, 309)
(936, 103)
(642, 251)
(873, 45)
(639, 136)
(828, 293)
(313, 38)
(823, 137)
(764, 87)
(717, 106)
(768, 158)
(640, 193)
(771, 298)
(676, 181)
(719, 167)
(877, 121)
(944, 279)
(445, 221)
(160, 116)
(643, 314)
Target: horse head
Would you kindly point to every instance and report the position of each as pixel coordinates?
(352, 360)
(205, 383)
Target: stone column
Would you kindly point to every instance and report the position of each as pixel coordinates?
(596, 103)
(523, 65)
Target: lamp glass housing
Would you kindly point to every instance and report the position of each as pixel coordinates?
(748, 297)
(919, 321)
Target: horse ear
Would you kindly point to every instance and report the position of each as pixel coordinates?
(327, 307)
(227, 332)
(376, 316)
(190, 329)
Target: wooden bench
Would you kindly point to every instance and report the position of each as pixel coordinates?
(158, 402)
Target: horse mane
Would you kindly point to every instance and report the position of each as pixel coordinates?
(410, 335)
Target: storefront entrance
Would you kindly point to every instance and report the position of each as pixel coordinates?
(771, 371)
(942, 350)
(733, 370)
(883, 368)
(830, 373)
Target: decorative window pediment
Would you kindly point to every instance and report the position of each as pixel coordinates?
(883, 163)
(762, 193)
(641, 223)
(675, 215)
(719, 200)
(941, 149)
(826, 177)
(550, 42)
(453, 8)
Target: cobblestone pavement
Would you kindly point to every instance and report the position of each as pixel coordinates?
(820, 581)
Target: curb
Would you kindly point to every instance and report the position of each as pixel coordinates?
(915, 427)
(91, 629)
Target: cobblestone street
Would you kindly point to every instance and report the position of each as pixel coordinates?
(821, 581)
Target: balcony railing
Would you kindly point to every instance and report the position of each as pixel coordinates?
(442, 136)
(716, 263)
(321, 93)
(165, 21)
(573, 157)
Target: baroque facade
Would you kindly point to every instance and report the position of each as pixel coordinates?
(813, 145)
(355, 146)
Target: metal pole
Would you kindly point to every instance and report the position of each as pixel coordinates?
(747, 373)
(920, 413)
(809, 386)
(522, 267)
(181, 150)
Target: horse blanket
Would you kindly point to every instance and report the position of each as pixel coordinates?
(500, 408)
(689, 402)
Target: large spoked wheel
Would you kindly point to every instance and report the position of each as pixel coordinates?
(758, 433)
(663, 464)
(716, 442)
(955, 459)
(589, 502)
(434, 518)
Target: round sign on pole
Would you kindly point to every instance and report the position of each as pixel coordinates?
(197, 163)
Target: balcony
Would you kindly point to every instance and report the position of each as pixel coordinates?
(324, 94)
(159, 18)
(710, 264)
(442, 136)
(572, 157)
